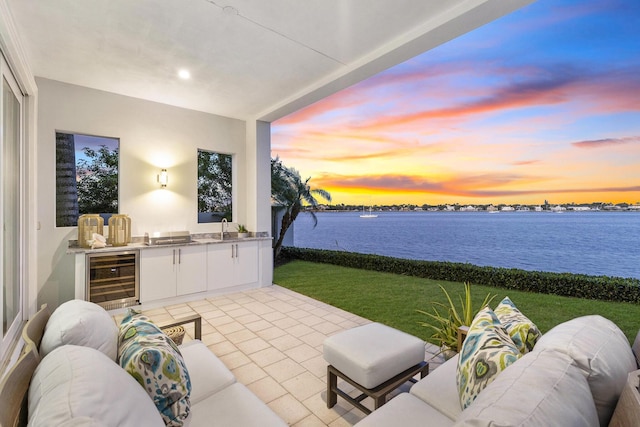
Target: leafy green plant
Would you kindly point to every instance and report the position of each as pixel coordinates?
(447, 318)
(242, 229)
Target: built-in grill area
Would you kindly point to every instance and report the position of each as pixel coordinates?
(167, 238)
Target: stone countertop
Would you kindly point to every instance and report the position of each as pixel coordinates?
(196, 239)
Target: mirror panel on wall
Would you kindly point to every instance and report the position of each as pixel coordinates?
(86, 177)
(214, 186)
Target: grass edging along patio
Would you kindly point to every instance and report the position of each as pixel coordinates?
(393, 299)
(603, 288)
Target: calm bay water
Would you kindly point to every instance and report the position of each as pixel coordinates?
(596, 243)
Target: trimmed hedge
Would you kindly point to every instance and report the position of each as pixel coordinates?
(565, 284)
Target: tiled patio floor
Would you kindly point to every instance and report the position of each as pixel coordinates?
(271, 338)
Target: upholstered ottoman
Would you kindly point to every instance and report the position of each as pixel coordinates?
(374, 358)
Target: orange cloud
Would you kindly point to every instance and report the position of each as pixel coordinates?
(532, 93)
(473, 186)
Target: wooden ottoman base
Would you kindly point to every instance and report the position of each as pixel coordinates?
(378, 394)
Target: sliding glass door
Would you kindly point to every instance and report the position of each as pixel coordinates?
(10, 206)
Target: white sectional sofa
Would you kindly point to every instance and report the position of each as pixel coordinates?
(217, 398)
(573, 377)
(77, 382)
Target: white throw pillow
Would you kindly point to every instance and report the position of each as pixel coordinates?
(76, 385)
(83, 323)
(601, 350)
(543, 388)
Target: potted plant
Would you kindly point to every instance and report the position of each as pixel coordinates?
(242, 231)
(446, 319)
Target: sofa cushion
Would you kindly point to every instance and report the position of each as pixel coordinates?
(440, 390)
(543, 388)
(636, 349)
(154, 360)
(487, 351)
(601, 350)
(84, 422)
(405, 410)
(523, 332)
(77, 322)
(234, 406)
(76, 385)
(372, 353)
(207, 373)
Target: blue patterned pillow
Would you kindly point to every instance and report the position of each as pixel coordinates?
(523, 332)
(487, 351)
(154, 360)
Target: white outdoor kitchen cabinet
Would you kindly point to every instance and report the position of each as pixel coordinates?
(173, 271)
(232, 264)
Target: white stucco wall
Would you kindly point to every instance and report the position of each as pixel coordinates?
(152, 136)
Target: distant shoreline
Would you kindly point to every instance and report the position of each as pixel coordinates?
(381, 210)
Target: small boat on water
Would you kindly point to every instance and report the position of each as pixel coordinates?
(368, 215)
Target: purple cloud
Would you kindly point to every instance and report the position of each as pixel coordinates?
(606, 142)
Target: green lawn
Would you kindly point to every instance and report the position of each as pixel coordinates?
(393, 299)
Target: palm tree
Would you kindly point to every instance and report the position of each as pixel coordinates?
(290, 192)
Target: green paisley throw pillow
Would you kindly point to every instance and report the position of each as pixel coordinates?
(487, 351)
(523, 332)
(154, 360)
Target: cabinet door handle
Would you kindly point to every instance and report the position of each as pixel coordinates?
(237, 253)
(174, 257)
(179, 256)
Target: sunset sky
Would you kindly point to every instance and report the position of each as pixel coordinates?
(541, 104)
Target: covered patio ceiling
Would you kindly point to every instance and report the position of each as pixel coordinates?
(248, 59)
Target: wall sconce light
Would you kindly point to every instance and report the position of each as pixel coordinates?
(163, 178)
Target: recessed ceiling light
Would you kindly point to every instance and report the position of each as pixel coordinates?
(230, 10)
(184, 74)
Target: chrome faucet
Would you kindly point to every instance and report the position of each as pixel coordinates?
(223, 225)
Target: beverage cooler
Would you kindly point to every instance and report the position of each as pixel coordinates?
(113, 279)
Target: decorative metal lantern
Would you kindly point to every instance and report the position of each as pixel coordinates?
(119, 230)
(88, 224)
